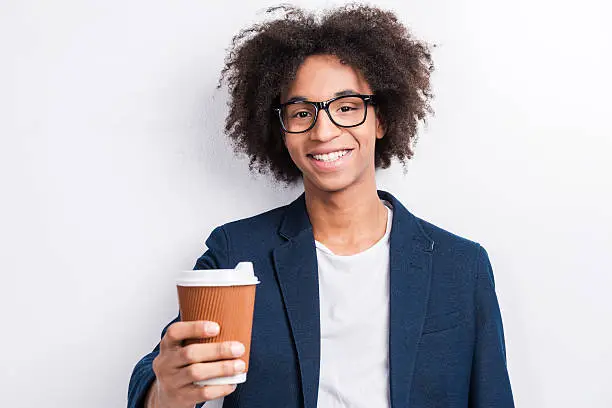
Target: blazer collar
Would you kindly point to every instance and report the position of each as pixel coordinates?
(410, 274)
(296, 219)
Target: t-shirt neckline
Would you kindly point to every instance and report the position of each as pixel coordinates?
(320, 246)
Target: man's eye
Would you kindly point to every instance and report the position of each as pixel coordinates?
(345, 109)
(301, 114)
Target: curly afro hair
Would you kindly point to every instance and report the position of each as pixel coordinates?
(263, 60)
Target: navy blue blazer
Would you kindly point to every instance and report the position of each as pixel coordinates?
(446, 341)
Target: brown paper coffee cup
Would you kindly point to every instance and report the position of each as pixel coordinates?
(225, 296)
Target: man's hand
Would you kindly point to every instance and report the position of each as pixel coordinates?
(177, 367)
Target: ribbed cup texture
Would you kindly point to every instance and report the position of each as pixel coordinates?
(230, 306)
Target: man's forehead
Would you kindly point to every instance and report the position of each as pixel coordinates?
(321, 84)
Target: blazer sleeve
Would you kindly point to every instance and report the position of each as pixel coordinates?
(215, 257)
(489, 382)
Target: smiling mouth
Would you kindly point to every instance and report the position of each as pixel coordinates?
(330, 157)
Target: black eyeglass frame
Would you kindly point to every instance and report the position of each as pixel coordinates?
(324, 105)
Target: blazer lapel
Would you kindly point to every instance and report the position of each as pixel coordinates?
(410, 278)
(295, 262)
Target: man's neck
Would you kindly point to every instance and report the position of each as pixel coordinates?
(347, 221)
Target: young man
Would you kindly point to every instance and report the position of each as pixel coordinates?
(361, 304)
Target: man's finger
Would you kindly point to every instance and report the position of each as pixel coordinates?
(199, 353)
(180, 331)
(198, 394)
(206, 371)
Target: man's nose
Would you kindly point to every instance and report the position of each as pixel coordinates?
(324, 129)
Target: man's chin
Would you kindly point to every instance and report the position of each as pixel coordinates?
(327, 185)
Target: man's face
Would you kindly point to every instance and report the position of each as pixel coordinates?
(332, 158)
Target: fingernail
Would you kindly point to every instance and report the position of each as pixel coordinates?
(237, 349)
(211, 328)
(239, 366)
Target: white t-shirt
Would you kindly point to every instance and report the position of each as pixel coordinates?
(354, 307)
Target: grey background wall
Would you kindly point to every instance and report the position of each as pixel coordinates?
(114, 170)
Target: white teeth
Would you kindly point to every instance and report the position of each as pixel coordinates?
(328, 157)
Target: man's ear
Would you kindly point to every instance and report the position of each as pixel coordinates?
(381, 128)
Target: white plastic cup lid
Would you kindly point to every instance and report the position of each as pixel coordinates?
(242, 274)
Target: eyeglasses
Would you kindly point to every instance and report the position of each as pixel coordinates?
(344, 111)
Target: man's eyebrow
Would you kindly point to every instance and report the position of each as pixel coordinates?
(340, 93)
(346, 92)
(296, 99)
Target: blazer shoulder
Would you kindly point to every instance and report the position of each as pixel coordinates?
(264, 222)
(252, 238)
(451, 247)
(442, 239)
